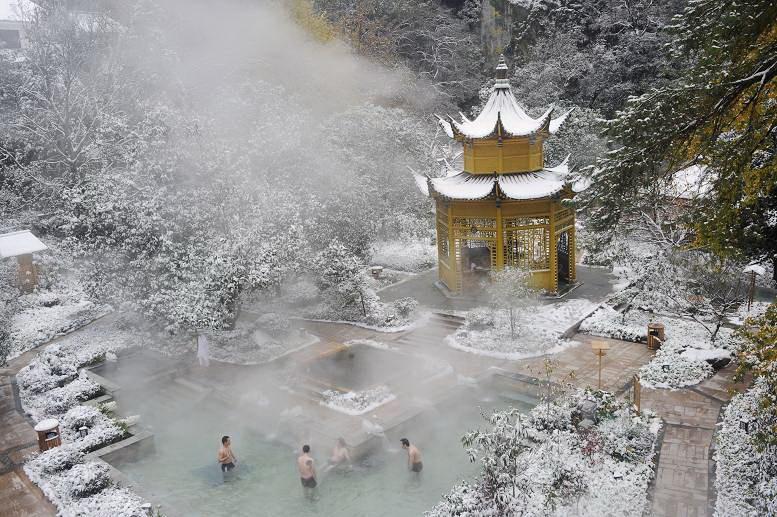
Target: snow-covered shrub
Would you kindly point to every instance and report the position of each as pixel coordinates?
(626, 440)
(113, 501)
(671, 369)
(59, 458)
(745, 470)
(86, 479)
(58, 400)
(404, 307)
(101, 430)
(480, 318)
(606, 321)
(50, 384)
(275, 324)
(357, 402)
(542, 464)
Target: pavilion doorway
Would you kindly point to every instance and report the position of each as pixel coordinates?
(562, 257)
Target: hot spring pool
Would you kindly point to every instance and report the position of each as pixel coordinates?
(184, 477)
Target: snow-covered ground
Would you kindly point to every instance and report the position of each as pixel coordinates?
(45, 314)
(686, 355)
(487, 332)
(549, 463)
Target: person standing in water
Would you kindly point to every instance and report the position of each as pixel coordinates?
(203, 350)
(414, 462)
(226, 457)
(307, 472)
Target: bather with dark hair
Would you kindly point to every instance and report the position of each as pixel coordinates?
(226, 457)
(307, 472)
(414, 462)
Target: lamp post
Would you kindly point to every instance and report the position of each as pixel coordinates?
(600, 349)
(637, 393)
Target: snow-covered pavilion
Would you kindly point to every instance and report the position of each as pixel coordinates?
(22, 245)
(505, 207)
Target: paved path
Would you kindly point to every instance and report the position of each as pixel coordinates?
(684, 484)
(19, 497)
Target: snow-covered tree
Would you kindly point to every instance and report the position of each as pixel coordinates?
(342, 280)
(509, 289)
(719, 114)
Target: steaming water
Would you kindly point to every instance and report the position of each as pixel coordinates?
(184, 476)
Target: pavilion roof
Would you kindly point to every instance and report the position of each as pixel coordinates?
(519, 186)
(502, 115)
(19, 243)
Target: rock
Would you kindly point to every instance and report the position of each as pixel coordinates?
(718, 364)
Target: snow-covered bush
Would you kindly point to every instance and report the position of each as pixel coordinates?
(275, 324)
(58, 400)
(746, 470)
(480, 318)
(60, 458)
(671, 369)
(544, 463)
(606, 321)
(357, 402)
(87, 479)
(113, 501)
(101, 430)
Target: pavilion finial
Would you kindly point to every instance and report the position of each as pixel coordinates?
(501, 73)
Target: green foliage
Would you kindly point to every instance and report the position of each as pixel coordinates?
(719, 114)
(759, 357)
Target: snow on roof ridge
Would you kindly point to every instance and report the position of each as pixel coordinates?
(556, 123)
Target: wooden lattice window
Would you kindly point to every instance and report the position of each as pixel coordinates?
(527, 242)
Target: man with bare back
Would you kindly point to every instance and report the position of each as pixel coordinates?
(414, 462)
(307, 472)
(226, 457)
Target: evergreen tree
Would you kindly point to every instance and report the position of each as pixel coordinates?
(722, 114)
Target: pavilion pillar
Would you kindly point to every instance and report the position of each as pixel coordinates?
(553, 259)
(572, 255)
(453, 257)
(500, 248)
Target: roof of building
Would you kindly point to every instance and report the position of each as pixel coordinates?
(519, 186)
(502, 109)
(692, 182)
(19, 243)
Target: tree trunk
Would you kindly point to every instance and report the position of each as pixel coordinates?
(512, 324)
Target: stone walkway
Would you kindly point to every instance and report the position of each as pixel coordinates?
(19, 496)
(684, 484)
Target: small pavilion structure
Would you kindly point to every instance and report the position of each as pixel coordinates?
(22, 245)
(505, 207)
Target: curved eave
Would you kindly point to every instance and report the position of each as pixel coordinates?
(546, 183)
(462, 186)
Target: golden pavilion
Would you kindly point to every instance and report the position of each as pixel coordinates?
(504, 209)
